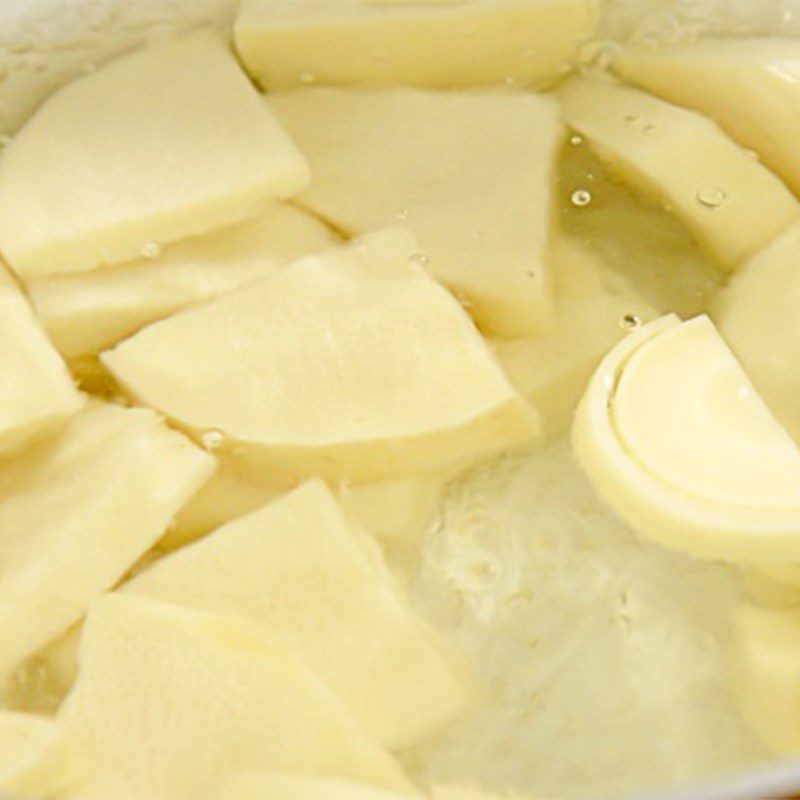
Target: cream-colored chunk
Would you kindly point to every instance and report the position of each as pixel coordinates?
(594, 306)
(280, 786)
(674, 436)
(354, 365)
(172, 703)
(164, 143)
(440, 44)
(470, 173)
(77, 511)
(748, 86)
(757, 315)
(296, 568)
(732, 203)
(37, 392)
(89, 312)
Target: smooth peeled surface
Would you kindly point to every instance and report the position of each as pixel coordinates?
(675, 438)
(354, 365)
(765, 671)
(37, 392)
(278, 786)
(167, 142)
(470, 173)
(89, 312)
(593, 306)
(172, 703)
(301, 572)
(444, 44)
(77, 511)
(757, 315)
(36, 758)
(748, 86)
(731, 202)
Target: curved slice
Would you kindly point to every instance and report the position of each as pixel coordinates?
(674, 436)
(353, 365)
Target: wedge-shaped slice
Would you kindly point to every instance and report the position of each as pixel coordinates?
(757, 315)
(280, 786)
(89, 312)
(765, 664)
(77, 511)
(351, 366)
(732, 203)
(297, 568)
(172, 702)
(750, 87)
(441, 44)
(36, 757)
(37, 392)
(593, 308)
(674, 436)
(469, 172)
(164, 143)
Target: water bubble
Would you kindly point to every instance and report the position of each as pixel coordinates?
(418, 261)
(630, 322)
(403, 213)
(150, 250)
(576, 139)
(581, 198)
(213, 440)
(307, 77)
(711, 197)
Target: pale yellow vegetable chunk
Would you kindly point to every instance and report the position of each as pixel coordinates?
(732, 203)
(471, 173)
(440, 44)
(172, 703)
(354, 365)
(674, 436)
(749, 86)
(765, 666)
(280, 786)
(37, 392)
(594, 306)
(299, 570)
(36, 757)
(757, 315)
(77, 511)
(167, 142)
(89, 312)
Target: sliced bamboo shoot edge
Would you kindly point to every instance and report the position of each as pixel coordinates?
(674, 437)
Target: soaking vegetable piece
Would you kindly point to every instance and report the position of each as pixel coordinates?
(732, 203)
(37, 391)
(757, 315)
(280, 786)
(443, 44)
(675, 438)
(765, 665)
(299, 570)
(172, 702)
(594, 307)
(88, 312)
(471, 173)
(749, 86)
(36, 757)
(164, 143)
(77, 511)
(354, 365)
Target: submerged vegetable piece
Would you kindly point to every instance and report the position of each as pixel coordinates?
(471, 173)
(674, 436)
(731, 202)
(296, 568)
(37, 392)
(278, 786)
(89, 312)
(757, 315)
(440, 44)
(36, 757)
(594, 308)
(164, 143)
(749, 86)
(77, 511)
(354, 365)
(172, 702)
